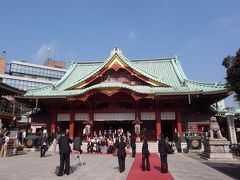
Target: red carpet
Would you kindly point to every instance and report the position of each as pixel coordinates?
(136, 173)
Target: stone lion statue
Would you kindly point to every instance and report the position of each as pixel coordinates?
(214, 128)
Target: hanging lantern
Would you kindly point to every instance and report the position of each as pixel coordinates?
(137, 129)
(87, 129)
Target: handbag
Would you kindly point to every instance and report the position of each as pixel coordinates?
(115, 152)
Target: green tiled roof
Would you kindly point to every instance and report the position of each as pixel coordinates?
(167, 71)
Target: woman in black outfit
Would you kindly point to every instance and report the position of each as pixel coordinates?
(145, 155)
(121, 145)
(44, 144)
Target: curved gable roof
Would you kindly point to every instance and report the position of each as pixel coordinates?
(166, 71)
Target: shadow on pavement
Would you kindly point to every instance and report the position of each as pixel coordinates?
(229, 169)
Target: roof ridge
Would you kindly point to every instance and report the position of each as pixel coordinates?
(132, 60)
(153, 59)
(206, 83)
(176, 69)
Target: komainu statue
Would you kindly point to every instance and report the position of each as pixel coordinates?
(214, 129)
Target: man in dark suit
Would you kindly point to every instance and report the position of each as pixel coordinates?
(64, 151)
(162, 149)
(121, 145)
(145, 155)
(133, 145)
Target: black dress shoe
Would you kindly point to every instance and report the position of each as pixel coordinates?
(59, 174)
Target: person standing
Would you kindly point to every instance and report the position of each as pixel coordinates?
(133, 145)
(145, 155)
(5, 145)
(54, 143)
(162, 149)
(178, 143)
(24, 133)
(121, 153)
(64, 151)
(44, 144)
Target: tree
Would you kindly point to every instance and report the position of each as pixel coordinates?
(232, 64)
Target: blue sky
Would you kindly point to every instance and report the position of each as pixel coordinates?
(202, 32)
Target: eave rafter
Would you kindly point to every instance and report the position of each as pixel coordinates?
(109, 92)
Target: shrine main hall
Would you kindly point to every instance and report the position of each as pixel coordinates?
(118, 92)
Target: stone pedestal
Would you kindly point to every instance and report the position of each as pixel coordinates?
(216, 149)
(231, 128)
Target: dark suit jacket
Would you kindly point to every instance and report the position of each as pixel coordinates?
(121, 149)
(162, 147)
(64, 146)
(145, 151)
(133, 142)
(44, 140)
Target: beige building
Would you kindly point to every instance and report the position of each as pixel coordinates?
(54, 63)
(3, 62)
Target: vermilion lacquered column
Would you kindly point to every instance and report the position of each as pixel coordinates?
(179, 121)
(53, 121)
(71, 125)
(158, 121)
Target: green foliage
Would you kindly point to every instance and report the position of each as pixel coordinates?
(232, 64)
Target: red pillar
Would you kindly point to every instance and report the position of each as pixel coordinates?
(179, 121)
(53, 121)
(158, 121)
(71, 125)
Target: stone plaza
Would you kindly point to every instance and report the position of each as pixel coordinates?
(30, 166)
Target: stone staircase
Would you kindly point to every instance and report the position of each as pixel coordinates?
(152, 147)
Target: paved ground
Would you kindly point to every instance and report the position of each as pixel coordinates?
(30, 166)
(103, 167)
(183, 167)
(229, 168)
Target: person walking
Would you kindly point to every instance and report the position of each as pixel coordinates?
(145, 155)
(121, 153)
(64, 151)
(133, 145)
(162, 149)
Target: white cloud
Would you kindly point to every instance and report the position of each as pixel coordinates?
(223, 21)
(192, 43)
(229, 24)
(45, 51)
(132, 35)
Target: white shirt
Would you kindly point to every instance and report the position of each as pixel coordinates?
(6, 140)
(34, 129)
(24, 134)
